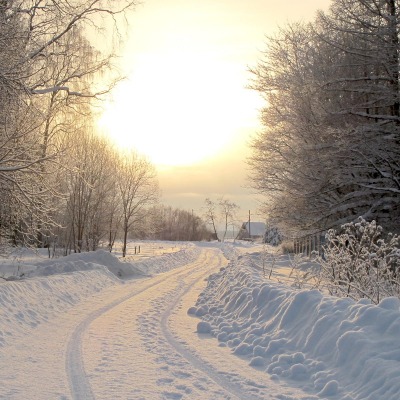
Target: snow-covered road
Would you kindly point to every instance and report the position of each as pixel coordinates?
(132, 351)
(71, 329)
(132, 341)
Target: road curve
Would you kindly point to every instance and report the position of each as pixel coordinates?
(135, 340)
(79, 383)
(129, 351)
(144, 345)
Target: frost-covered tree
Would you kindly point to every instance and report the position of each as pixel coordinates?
(138, 189)
(228, 212)
(273, 236)
(90, 188)
(169, 223)
(220, 214)
(330, 147)
(48, 70)
(365, 34)
(211, 216)
(294, 156)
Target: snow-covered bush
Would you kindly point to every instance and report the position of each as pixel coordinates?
(359, 263)
(304, 272)
(287, 246)
(273, 236)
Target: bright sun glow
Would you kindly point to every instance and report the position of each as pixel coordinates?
(177, 109)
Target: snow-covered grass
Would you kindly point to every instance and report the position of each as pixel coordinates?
(17, 261)
(148, 248)
(331, 347)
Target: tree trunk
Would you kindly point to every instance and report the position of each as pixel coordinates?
(125, 239)
(394, 39)
(215, 231)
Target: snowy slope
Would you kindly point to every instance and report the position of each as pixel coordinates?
(333, 348)
(102, 259)
(26, 304)
(52, 286)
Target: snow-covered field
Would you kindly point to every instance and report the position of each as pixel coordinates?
(190, 321)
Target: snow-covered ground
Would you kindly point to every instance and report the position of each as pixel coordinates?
(187, 321)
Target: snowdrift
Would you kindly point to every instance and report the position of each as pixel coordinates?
(333, 348)
(107, 262)
(27, 303)
(53, 286)
(96, 260)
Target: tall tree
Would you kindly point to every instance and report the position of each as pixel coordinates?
(211, 216)
(366, 33)
(330, 148)
(228, 211)
(48, 68)
(289, 163)
(138, 189)
(92, 165)
(177, 225)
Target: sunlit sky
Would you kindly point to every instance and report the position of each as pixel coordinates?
(185, 104)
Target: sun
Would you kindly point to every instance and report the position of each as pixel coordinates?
(177, 109)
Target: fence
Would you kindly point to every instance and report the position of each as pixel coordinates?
(309, 243)
(137, 250)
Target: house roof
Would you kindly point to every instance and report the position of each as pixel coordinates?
(256, 228)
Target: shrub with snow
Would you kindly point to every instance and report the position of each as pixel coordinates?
(273, 236)
(359, 263)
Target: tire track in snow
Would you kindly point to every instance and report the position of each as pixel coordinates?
(78, 380)
(230, 387)
(182, 364)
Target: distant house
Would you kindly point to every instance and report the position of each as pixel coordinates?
(256, 230)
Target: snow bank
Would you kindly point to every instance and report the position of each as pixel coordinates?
(105, 261)
(96, 260)
(27, 303)
(17, 261)
(334, 348)
(53, 286)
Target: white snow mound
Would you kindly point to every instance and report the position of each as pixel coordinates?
(27, 303)
(95, 260)
(104, 260)
(337, 348)
(55, 285)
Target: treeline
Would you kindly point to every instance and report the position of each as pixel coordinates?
(330, 148)
(168, 223)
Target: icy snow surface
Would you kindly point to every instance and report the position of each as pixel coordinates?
(190, 325)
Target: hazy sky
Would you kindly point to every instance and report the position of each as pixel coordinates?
(185, 104)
